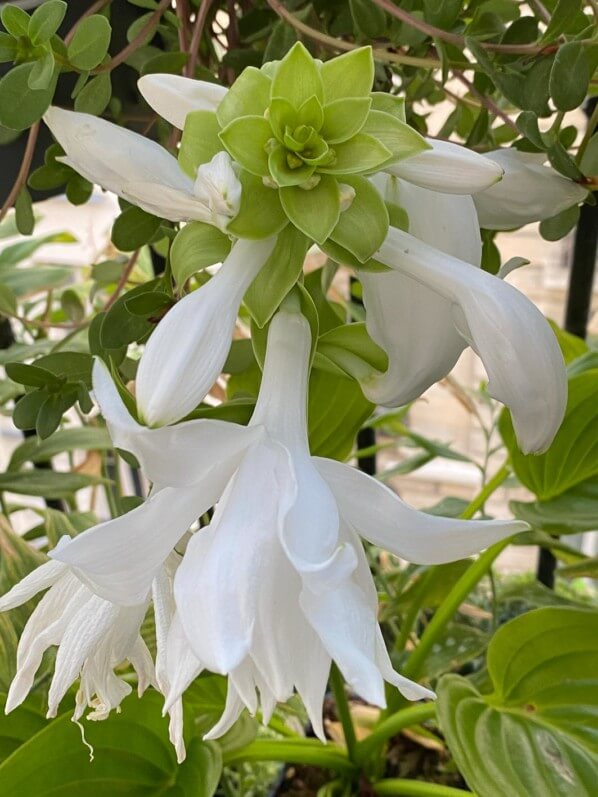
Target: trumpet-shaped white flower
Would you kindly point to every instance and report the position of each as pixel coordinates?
(141, 171)
(185, 354)
(277, 585)
(529, 191)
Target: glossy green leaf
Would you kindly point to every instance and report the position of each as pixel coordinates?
(245, 140)
(314, 212)
(536, 733)
(89, 45)
(349, 75)
(15, 20)
(297, 77)
(46, 20)
(362, 153)
(261, 213)
(199, 142)
(196, 246)
(401, 139)
(248, 96)
(571, 512)
(344, 118)
(362, 228)
(569, 76)
(20, 105)
(134, 228)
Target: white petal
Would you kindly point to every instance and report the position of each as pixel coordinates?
(448, 167)
(529, 191)
(232, 712)
(409, 689)
(380, 516)
(41, 578)
(411, 322)
(515, 342)
(182, 665)
(173, 96)
(120, 558)
(185, 354)
(219, 583)
(176, 456)
(175, 730)
(130, 165)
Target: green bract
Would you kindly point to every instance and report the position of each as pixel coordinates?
(301, 132)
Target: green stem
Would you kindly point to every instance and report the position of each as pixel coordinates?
(414, 610)
(343, 711)
(490, 487)
(407, 717)
(417, 788)
(591, 126)
(300, 751)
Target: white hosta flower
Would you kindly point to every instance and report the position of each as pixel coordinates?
(529, 191)
(144, 173)
(445, 167)
(185, 354)
(513, 339)
(278, 584)
(93, 637)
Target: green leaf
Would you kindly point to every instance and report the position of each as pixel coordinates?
(571, 512)
(89, 45)
(24, 217)
(563, 162)
(573, 456)
(362, 228)
(348, 75)
(314, 212)
(571, 346)
(282, 173)
(561, 19)
(132, 755)
(14, 254)
(368, 18)
(134, 228)
(84, 438)
(31, 375)
(8, 301)
(169, 63)
(569, 76)
(245, 140)
(15, 20)
(277, 276)
(51, 412)
(352, 350)
(43, 72)
(362, 153)
(72, 365)
(389, 103)
(535, 734)
(261, 213)
(344, 118)
(95, 95)
(46, 20)
(20, 105)
(248, 96)
(398, 137)
(196, 246)
(589, 161)
(297, 77)
(199, 142)
(8, 47)
(148, 303)
(46, 483)
(119, 327)
(556, 227)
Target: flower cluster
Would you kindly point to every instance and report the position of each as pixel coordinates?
(277, 585)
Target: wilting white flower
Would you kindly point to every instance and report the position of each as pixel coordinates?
(529, 191)
(185, 354)
(456, 304)
(277, 585)
(445, 167)
(141, 171)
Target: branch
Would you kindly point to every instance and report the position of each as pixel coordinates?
(123, 279)
(137, 42)
(200, 22)
(23, 171)
(487, 102)
(93, 9)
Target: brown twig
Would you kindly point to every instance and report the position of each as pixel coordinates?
(487, 102)
(123, 279)
(200, 22)
(93, 9)
(137, 42)
(23, 171)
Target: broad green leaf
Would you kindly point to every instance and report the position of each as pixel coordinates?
(261, 213)
(297, 77)
(389, 103)
(282, 173)
(348, 75)
(314, 212)
(556, 227)
(589, 161)
(362, 153)
(368, 18)
(15, 20)
(277, 276)
(398, 137)
(20, 105)
(89, 45)
(95, 95)
(171, 63)
(311, 113)
(11, 255)
(536, 733)
(561, 19)
(22, 723)
(351, 349)
(46, 483)
(458, 645)
(46, 20)
(281, 115)
(134, 228)
(119, 327)
(344, 118)
(51, 412)
(573, 456)
(199, 142)
(84, 438)
(24, 216)
(43, 72)
(245, 140)
(569, 76)
(196, 246)
(442, 13)
(8, 48)
(362, 228)
(30, 281)
(572, 512)
(248, 96)
(31, 375)
(571, 346)
(72, 365)
(587, 568)
(8, 301)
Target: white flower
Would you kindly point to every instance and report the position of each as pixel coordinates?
(529, 191)
(185, 354)
(144, 173)
(441, 303)
(278, 584)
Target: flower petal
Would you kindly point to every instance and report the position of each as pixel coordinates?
(39, 579)
(130, 165)
(448, 167)
(380, 516)
(232, 711)
(184, 356)
(411, 322)
(529, 191)
(171, 456)
(515, 342)
(173, 96)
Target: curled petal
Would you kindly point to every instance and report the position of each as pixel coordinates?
(39, 579)
(171, 456)
(529, 191)
(232, 711)
(411, 322)
(184, 356)
(449, 168)
(513, 339)
(173, 96)
(381, 517)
